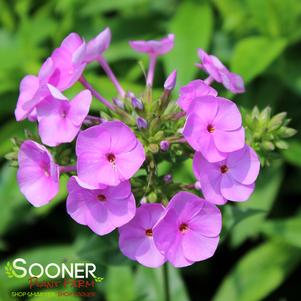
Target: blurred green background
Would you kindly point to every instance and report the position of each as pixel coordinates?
(260, 253)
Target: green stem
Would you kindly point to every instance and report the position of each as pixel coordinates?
(166, 283)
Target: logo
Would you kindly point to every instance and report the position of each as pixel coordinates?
(80, 275)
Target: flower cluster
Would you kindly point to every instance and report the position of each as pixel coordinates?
(115, 158)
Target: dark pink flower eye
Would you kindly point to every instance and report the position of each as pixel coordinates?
(210, 128)
(224, 168)
(149, 232)
(111, 158)
(101, 197)
(183, 228)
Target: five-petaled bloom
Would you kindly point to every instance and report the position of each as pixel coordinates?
(111, 154)
(230, 179)
(108, 154)
(189, 230)
(103, 209)
(136, 239)
(214, 127)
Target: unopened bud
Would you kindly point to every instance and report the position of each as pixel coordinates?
(167, 178)
(287, 132)
(171, 81)
(164, 145)
(119, 103)
(137, 104)
(277, 121)
(141, 123)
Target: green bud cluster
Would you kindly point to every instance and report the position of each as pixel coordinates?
(266, 133)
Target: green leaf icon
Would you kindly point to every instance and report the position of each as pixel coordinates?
(98, 279)
(9, 271)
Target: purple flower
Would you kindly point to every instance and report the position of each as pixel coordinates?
(214, 127)
(136, 239)
(152, 47)
(231, 179)
(98, 45)
(164, 145)
(33, 89)
(171, 80)
(38, 175)
(102, 210)
(108, 154)
(68, 62)
(194, 89)
(216, 70)
(141, 123)
(189, 230)
(59, 119)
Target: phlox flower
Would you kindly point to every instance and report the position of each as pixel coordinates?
(102, 210)
(60, 119)
(189, 230)
(108, 154)
(97, 45)
(38, 174)
(69, 62)
(193, 90)
(230, 179)
(214, 127)
(153, 47)
(136, 239)
(218, 72)
(33, 89)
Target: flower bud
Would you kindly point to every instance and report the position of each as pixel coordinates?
(119, 103)
(164, 145)
(197, 185)
(276, 121)
(141, 123)
(171, 81)
(137, 104)
(287, 132)
(167, 178)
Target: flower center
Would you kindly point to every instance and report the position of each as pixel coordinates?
(101, 197)
(149, 232)
(183, 228)
(111, 158)
(224, 168)
(210, 128)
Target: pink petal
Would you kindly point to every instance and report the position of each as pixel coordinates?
(228, 116)
(79, 107)
(208, 222)
(148, 255)
(244, 165)
(197, 247)
(234, 191)
(125, 164)
(229, 141)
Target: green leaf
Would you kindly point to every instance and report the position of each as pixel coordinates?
(259, 272)
(254, 54)
(293, 153)
(149, 283)
(183, 172)
(120, 284)
(286, 230)
(12, 202)
(192, 25)
(267, 187)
